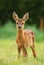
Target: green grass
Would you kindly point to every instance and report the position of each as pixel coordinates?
(8, 47)
(9, 32)
(8, 54)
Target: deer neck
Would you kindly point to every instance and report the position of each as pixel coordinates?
(20, 33)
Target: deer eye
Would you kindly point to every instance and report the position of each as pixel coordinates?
(17, 23)
(22, 23)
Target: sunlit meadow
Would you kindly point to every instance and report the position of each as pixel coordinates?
(8, 47)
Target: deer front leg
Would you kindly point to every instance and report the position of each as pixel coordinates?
(19, 51)
(24, 51)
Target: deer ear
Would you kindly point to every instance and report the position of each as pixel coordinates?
(26, 16)
(15, 16)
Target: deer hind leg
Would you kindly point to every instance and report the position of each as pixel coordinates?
(24, 51)
(33, 48)
(19, 51)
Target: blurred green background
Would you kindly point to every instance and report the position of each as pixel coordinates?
(35, 21)
(34, 7)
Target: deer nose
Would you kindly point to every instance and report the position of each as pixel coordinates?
(19, 27)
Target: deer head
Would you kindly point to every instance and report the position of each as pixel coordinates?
(20, 21)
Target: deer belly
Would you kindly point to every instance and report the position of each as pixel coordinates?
(28, 41)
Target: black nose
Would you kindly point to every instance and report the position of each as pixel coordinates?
(19, 27)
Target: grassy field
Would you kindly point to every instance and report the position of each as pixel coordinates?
(8, 54)
(8, 48)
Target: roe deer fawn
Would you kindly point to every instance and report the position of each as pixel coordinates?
(24, 37)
